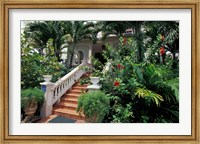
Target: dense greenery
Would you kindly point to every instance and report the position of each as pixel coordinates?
(30, 96)
(142, 83)
(35, 64)
(140, 91)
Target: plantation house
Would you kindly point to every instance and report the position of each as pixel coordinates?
(138, 78)
(85, 49)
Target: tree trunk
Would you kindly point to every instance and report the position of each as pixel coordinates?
(57, 53)
(72, 55)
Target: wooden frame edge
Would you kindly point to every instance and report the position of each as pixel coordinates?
(195, 79)
(1, 72)
(194, 70)
(2, 63)
(198, 71)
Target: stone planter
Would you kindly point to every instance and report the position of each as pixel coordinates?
(95, 80)
(47, 78)
(31, 109)
(94, 86)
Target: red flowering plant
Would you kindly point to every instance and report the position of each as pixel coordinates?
(162, 37)
(135, 88)
(162, 51)
(124, 41)
(117, 70)
(119, 66)
(120, 88)
(116, 83)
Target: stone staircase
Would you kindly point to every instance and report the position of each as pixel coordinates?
(68, 103)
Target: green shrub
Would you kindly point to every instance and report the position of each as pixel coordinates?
(140, 92)
(31, 95)
(83, 81)
(94, 105)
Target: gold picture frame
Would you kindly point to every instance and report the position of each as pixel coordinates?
(116, 4)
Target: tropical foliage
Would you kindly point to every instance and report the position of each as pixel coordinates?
(78, 30)
(142, 83)
(34, 66)
(39, 33)
(140, 91)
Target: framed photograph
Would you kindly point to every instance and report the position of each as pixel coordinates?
(100, 72)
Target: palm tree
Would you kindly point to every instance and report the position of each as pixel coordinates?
(157, 85)
(170, 31)
(78, 30)
(38, 34)
(138, 36)
(117, 28)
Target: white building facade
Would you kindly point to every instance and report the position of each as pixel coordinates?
(85, 49)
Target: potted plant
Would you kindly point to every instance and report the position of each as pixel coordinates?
(46, 74)
(94, 105)
(95, 78)
(47, 78)
(31, 98)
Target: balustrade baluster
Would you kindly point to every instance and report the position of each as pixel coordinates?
(54, 94)
(57, 90)
(65, 83)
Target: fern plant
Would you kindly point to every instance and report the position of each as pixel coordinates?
(149, 95)
(94, 105)
(173, 84)
(156, 86)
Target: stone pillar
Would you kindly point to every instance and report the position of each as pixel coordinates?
(48, 96)
(90, 54)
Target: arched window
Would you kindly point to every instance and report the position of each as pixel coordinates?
(81, 56)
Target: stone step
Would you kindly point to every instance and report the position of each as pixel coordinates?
(69, 100)
(65, 105)
(71, 95)
(74, 91)
(81, 88)
(68, 114)
(82, 85)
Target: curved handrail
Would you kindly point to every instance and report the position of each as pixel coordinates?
(67, 76)
(65, 83)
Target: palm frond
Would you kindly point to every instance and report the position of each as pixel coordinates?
(174, 85)
(148, 94)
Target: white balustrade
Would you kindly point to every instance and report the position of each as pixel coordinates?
(53, 92)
